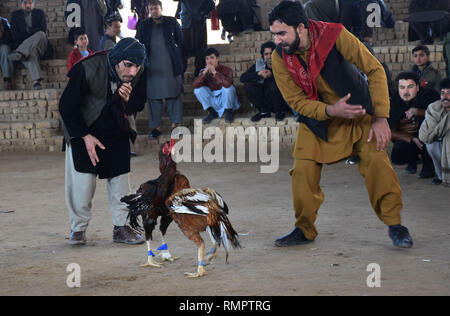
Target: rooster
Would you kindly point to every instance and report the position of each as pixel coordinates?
(196, 210)
(149, 203)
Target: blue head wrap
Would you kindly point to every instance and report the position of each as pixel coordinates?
(126, 49)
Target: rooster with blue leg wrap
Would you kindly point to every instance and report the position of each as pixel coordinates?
(197, 210)
(149, 203)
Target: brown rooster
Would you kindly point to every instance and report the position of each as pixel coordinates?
(149, 202)
(196, 210)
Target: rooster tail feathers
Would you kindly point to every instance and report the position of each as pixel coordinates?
(224, 234)
(136, 206)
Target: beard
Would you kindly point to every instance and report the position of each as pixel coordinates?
(291, 48)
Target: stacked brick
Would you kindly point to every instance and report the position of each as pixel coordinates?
(29, 120)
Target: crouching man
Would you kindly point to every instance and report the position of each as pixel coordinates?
(103, 93)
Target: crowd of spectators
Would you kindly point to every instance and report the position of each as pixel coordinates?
(169, 44)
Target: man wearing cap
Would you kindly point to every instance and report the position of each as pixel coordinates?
(103, 93)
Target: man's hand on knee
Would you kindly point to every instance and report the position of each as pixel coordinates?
(380, 129)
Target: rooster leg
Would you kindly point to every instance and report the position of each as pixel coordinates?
(165, 254)
(149, 225)
(201, 258)
(212, 252)
(150, 261)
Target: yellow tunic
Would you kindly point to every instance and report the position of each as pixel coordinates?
(342, 133)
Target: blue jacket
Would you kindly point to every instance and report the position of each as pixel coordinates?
(173, 38)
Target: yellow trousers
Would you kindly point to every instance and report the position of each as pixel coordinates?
(381, 181)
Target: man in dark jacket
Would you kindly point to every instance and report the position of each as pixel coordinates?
(261, 88)
(163, 40)
(407, 112)
(104, 91)
(6, 66)
(29, 28)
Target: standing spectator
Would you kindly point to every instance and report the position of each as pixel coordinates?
(193, 14)
(214, 89)
(428, 20)
(92, 14)
(103, 91)
(435, 133)
(78, 37)
(429, 77)
(6, 66)
(29, 28)
(406, 114)
(113, 25)
(163, 40)
(261, 88)
(239, 16)
(114, 6)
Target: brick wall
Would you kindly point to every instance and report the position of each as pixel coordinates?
(29, 120)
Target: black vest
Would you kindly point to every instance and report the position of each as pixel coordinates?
(343, 77)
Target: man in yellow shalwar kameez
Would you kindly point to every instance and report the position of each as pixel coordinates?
(314, 67)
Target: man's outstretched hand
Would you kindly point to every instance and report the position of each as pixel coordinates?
(91, 142)
(344, 110)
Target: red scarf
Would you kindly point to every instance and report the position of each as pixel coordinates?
(322, 36)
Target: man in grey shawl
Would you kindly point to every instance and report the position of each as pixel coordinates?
(435, 133)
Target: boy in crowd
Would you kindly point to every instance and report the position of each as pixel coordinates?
(81, 41)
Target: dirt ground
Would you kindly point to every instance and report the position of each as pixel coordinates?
(35, 253)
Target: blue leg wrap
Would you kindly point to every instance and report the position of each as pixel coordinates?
(162, 247)
(150, 253)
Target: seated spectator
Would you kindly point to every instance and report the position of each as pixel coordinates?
(92, 16)
(428, 20)
(113, 23)
(29, 28)
(407, 113)
(6, 66)
(435, 133)
(78, 37)
(429, 77)
(261, 88)
(214, 88)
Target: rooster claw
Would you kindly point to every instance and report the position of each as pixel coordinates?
(152, 263)
(200, 272)
(165, 256)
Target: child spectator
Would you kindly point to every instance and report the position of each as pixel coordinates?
(78, 37)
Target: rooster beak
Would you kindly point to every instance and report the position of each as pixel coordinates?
(171, 145)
